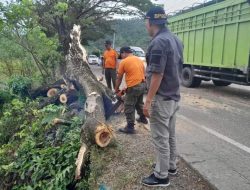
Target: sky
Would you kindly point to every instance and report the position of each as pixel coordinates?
(170, 5)
(175, 5)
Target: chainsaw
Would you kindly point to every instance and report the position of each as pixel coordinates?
(119, 100)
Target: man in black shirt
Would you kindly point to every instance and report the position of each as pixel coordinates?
(164, 63)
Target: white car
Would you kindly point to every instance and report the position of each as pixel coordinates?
(137, 51)
(93, 59)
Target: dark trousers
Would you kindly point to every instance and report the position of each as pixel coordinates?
(134, 101)
(110, 74)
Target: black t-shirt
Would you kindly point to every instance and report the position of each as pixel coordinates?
(165, 55)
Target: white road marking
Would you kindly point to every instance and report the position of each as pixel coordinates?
(220, 136)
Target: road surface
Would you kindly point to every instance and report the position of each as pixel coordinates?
(214, 134)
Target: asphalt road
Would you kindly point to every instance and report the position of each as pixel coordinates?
(213, 133)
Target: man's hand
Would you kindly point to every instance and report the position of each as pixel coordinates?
(119, 93)
(116, 90)
(146, 108)
(154, 86)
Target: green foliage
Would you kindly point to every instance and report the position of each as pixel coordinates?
(93, 16)
(5, 97)
(14, 116)
(128, 33)
(36, 154)
(26, 48)
(61, 6)
(14, 60)
(131, 32)
(34, 34)
(97, 53)
(20, 85)
(1, 24)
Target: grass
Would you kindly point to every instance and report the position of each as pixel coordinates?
(124, 178)
(100, 159)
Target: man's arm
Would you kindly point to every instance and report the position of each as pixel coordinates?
(103, 64)
(119, 77)
(118, 82)
(116, 60)
(153, 88)
(144, 72)
(157, 60)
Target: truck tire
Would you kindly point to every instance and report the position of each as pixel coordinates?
(221, 83)
(188, 79)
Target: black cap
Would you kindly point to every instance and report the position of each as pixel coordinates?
(108, 42)
(126, 49)
(156, 15)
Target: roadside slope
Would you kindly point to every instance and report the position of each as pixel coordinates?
(133, 159)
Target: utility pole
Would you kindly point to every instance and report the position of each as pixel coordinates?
(113, 41)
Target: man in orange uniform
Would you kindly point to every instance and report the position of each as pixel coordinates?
(109, 64)
(134, 71)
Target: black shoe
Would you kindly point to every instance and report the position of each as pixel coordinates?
(127, 130)
(142, 120)
(170, 172)
(153, 181)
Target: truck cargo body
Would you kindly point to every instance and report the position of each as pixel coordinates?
(216, 38)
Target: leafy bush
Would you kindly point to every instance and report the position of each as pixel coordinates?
(36, 154)
(20, 85)
(14, 116)
(5, 97)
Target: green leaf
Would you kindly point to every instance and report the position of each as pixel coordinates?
(61, 7)
(8, 167)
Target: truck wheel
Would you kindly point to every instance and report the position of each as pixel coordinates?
(221, 83)
(188, 79)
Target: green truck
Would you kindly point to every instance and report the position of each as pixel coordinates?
(216, 38)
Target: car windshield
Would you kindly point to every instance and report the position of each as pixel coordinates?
(92, 56)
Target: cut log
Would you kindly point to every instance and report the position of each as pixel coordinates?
(58, 121)
(52, 92)
(69, 97)
(103, 135)
(42, 91)
(95, 131)
(63, 98)
(51, 100)
(63, 86)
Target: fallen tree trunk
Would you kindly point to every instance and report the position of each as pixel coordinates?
(98, 96)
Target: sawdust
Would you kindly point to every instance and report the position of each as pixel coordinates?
(203, 103)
